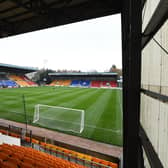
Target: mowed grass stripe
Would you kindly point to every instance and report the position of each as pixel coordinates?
(52, 100)
(71, 104)
(78, 101)
(109, 121)
(97, 104)
(120, 111)
(94, 111)
(111, 111)
(52, 94)
(59, 92)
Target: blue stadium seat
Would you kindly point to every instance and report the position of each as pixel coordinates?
(7, 83)
(85, 83)
(75, 83)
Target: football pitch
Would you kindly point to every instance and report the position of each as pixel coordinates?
(103, 108)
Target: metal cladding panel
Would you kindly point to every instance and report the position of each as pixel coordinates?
(150, 108)
(164, 68)
(151, 69)
(154, 119)
(154, 112)
(154, 67)
(148, 11)
(163, 134)
(155, 63)
(144, 69)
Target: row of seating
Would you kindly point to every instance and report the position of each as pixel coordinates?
(84, 83)
(22, 81)
(7, 83)
(12, 156)
(97, 162)
(60, 83)
(13, 81)
(63, 151)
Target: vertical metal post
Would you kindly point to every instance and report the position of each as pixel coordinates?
(24, 110)
(31, 138)
(131, 55)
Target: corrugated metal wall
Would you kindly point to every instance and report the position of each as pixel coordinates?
(154, 113)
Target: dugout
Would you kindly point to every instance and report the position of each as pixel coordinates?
(25, 16)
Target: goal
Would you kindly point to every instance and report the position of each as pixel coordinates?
(61, 118)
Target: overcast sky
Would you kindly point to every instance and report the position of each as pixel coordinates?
(86, 45)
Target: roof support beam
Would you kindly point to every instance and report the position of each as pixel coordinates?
(31, 6)
(9, 9)
(158, 19)
(58, 12)
(16, 15)
(66, 15)
(37, 7)
(131, 56)
(12, 8)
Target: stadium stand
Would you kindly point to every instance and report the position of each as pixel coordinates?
(8, 84)
(29, 156)
(12, 156)
(60, 83)
(75, 82)
(66, 82)
(28, 80)
(109, 84)
(56, 83)
(113, 83)
(96, 84)
(105, 84)
(53, 83)
(3, 77)
(84, 83)
(22, 81)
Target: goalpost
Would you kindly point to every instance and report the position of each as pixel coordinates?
(61, 118)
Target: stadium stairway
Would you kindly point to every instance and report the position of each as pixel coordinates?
(70, 155)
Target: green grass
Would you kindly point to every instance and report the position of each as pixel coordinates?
(103, 114)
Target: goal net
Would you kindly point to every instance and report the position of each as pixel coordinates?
(61, 118)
